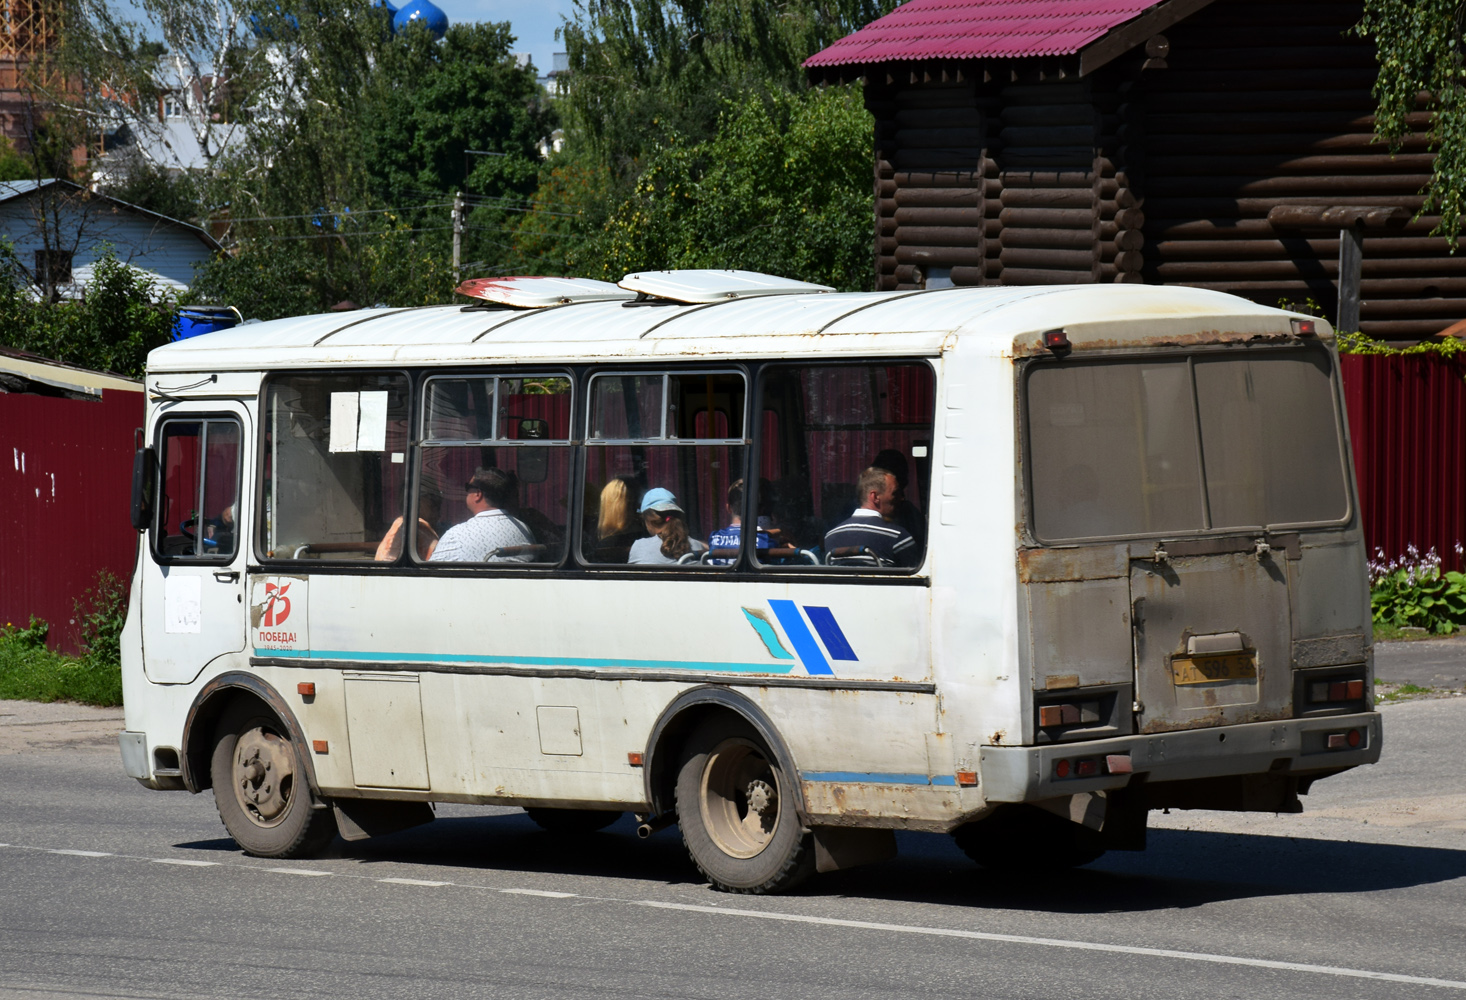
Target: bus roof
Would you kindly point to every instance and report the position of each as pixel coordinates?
(1000, 320)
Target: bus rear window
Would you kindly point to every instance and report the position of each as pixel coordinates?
(1212, 443)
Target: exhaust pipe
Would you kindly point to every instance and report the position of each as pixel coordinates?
(651, 824)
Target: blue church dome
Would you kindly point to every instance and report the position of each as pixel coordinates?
(425, 11)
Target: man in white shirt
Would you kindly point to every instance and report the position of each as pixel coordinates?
(491, 527)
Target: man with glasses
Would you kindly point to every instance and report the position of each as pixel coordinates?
(492, 534)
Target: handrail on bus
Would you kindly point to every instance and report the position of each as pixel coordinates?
(326, 548)
(509, 551)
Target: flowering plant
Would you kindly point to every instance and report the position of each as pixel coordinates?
(1412, 591)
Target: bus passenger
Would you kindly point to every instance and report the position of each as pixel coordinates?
(870, 526)
(491, 527)
(619, 526)
(907, 514)
(429, 509)
(667, 525)
(724, 542)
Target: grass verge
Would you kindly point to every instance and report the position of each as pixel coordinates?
(31, 672)
(1394, 633)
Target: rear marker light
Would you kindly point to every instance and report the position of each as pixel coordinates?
(1061, 769)
(1354, 738)
(1086, 768)
(1058, 342)
(1304, 328)
(1118, 763)
(320, 746)
(966, 777)
(635, 758)
(306, 689)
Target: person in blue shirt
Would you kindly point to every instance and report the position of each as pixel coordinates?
(725, 541)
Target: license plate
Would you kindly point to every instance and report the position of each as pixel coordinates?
(1211, 669)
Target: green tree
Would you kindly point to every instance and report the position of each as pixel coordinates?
(1420, 52)
(121, 315)
(431, 102)
(783, 187)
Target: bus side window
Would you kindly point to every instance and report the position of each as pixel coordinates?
(514, 430)
(334, 465)
(823, 426)
(672, 442)
(199, 500)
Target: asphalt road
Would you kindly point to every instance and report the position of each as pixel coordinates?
(1433, 663)
(109, 890)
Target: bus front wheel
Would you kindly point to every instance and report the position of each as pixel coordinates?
(735, 806)
(261, 790)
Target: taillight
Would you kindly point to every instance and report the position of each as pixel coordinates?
(1349, 740)
(1323, 692)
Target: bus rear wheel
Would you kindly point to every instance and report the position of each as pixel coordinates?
(1026, 838)
(573, 821)
(735, 806)
(261, 790)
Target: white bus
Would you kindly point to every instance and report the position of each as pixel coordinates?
(1101, 553)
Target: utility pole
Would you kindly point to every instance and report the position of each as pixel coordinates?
(457, 235)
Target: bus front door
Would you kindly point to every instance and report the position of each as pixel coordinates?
(193, 580)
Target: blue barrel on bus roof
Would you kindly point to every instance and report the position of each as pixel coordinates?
(196, 320)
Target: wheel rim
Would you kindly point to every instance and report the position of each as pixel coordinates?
(264, 776)
(740, 798)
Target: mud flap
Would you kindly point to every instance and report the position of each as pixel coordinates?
(1118, 816)
(837, 847)
(358, 819)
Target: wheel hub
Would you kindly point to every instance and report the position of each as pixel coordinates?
(740, 799)
(264, 775)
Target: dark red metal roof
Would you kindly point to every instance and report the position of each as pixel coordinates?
(980, 29)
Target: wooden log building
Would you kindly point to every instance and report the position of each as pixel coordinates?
(1223, 144)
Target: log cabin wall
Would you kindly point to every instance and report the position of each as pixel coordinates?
(1264, 106)
(1205, 158)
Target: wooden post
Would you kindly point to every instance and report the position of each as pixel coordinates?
(1351, 266)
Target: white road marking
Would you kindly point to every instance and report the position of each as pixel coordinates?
(296, 871)
(1189, 956)
(794, 918)
(411, 881)
(540, 892)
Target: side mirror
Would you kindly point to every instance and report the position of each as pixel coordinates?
(144, 460)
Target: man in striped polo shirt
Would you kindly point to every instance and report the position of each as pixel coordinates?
(870, 527)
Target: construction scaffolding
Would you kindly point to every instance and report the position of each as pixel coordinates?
(28, 30)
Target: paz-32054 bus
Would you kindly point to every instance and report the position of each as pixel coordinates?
(1107, 559)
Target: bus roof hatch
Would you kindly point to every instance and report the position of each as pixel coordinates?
(534, 292)
(697, 286)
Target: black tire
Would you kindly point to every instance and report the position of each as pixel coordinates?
(741, 848)
(1023, 838)
(261, 789)
(573, 821)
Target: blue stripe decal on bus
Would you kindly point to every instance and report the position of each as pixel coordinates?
(765, 630)
(526, 661)
(824, 623)
(801, 638)
(879, 778)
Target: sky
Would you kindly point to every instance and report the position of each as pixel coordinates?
(534, 22)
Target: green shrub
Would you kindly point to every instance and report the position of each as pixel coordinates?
(30, 671)
(1413, 592)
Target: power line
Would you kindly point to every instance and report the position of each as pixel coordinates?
(346, 212)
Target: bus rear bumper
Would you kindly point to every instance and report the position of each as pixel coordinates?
(1290, 747)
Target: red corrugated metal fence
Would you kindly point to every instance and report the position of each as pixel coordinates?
(1407, 418)
(65, 487)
